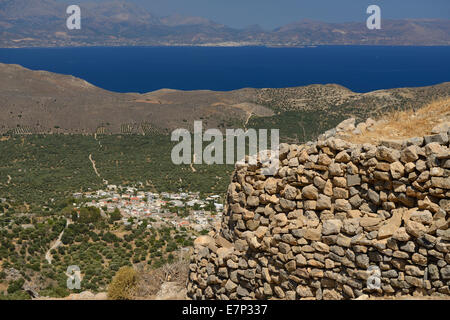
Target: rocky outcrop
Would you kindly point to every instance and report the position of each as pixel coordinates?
(337, 221)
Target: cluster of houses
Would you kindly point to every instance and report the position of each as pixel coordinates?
(183, 209)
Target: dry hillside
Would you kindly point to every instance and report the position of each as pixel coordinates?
(409, 123)
(45, 102)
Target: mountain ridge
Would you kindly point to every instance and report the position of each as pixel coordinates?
(46, 102)
(31, 23)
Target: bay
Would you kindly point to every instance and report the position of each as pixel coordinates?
(144, 69)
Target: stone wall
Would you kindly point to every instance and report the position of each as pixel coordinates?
(334, 219)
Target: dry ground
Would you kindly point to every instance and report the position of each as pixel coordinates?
(406, 124)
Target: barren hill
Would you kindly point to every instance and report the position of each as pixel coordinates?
(39, 101)
(45, 102)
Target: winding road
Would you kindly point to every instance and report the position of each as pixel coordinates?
(48, 255)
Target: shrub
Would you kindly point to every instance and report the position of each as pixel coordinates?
(123, 284)
(55, 292)
(115, 215)
(17, 295)
(15, 285)
(89, 215)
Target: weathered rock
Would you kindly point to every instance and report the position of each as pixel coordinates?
(304, 291)
(335, 169)
(253, 201)
(281, 219)
(369, 222)
(310, 192)
(230, 286)
(323, 202)
(353, 180)
(331, 295)
(342, 205)
(290, 192)
(390, 226)
(203, 241)
(387, 154)
(440, 182)
(271, 186)
(373, 196)
(415, 229)
(441, 128)
(397, 170)
(409, 154)
(424, 217)
(346, 125)
(242, 292)
(332, 226)
(441, 138)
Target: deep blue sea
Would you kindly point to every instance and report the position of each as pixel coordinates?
(144, 69)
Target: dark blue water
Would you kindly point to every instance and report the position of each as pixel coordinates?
(143, 69)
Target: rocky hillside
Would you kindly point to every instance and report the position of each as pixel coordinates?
(339, 220)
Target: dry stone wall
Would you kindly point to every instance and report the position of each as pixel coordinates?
(337, 221)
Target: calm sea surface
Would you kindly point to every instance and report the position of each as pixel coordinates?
(143, 69)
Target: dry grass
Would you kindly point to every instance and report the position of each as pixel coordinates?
(3, 286)
(151, 281)
(406, 124)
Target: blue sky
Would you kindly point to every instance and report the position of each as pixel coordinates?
(274, 13)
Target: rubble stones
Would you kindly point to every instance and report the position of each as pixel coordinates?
(333, 210)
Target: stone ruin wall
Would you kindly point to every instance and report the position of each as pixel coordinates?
(335, 217)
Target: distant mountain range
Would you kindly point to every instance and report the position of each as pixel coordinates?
(29, 23)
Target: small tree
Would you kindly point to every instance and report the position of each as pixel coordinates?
(89, 215)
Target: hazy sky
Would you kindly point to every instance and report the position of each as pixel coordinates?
(274, 13)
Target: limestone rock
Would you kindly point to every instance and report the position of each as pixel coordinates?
(332, 226)
(204, 241)
(390, 226)
(415, 229)
(310, 192)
